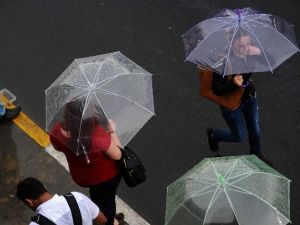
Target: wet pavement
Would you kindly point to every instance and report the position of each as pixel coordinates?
(41, 38)
(20, 157)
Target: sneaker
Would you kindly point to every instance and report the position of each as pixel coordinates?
(214, 145)
(120, 217)
(10, 114)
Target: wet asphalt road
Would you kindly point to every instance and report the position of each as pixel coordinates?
(39, 39)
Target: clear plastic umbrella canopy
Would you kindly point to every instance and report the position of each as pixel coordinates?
(240, 41)
(95, 89)
(229, 190)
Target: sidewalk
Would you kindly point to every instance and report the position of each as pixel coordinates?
(21, 157)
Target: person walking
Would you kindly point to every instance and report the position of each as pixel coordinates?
(242, 55)
(91, 147)
(70, 209)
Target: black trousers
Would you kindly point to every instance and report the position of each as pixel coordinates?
(103, 195)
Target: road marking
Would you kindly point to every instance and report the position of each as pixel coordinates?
(28, 126)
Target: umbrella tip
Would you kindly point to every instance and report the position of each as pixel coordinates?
(221, 179)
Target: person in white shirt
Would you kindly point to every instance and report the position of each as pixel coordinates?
(55, 208)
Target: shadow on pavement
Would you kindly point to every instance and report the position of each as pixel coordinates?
(20, 157)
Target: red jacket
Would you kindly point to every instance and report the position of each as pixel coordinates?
(100, 169)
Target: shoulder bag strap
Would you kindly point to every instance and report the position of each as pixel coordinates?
(77, 219)
(42, 220)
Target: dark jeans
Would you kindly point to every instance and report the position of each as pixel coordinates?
(235, 121)
(103, 195)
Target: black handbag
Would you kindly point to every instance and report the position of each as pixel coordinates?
(133, 170)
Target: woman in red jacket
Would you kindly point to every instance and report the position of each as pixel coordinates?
(91, 148)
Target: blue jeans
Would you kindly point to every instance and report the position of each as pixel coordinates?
(235, 121)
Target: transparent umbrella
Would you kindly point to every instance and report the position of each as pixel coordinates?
(240, 41)
(229, 190)
(103, 87)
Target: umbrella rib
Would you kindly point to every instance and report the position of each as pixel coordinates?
(78, 96)
(240, 175)
(116, 76)
(88, 98)
(100, 67)
(193, 214)
(241, 178)
(252, 32)
(182, 204)
(251, 193)
(107, 117)
(231, 168)
(205, 38)
(84, 109)
(248, 174)
(201, 178)
(216, 173)
(100, 105)
(231, 205)
(216, 18)
(78, 86)
(98, 72)
(240, 191)
(243, 192)
(87, 101)
(270, 174)
(219, 19)
(121, 96)
(246, 20)
(279, 34)
(233, 25)
(202, 191)
(83, 73)
(222, 17)
(210, 203)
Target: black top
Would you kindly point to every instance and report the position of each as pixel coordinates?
(222, 85)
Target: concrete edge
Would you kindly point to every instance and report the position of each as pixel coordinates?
(131, 217)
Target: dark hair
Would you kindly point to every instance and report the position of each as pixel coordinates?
(81, 129)
(30, 188)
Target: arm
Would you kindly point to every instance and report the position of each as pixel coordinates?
(112, 131)
(100, 219)
(113, 150)
(222, 85)
(261, 56)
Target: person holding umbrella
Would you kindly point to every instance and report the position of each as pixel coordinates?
(242, 55)
(83, 106)
(231, 46)
(97, 168)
